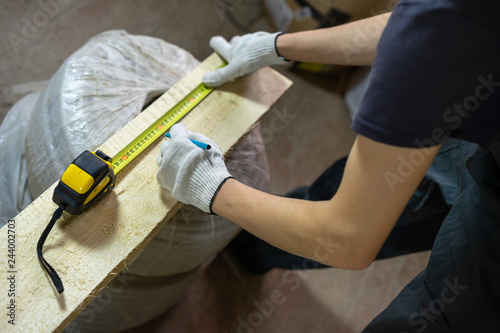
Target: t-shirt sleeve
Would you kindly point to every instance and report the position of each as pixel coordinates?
(429, 60)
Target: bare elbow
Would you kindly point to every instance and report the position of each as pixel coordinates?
(345, 245)
(362, 257)
(361, 263)
(352, 254)
(357, 260)
(357, 263)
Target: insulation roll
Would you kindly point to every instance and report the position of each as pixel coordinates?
(97, 90)
(130, 301)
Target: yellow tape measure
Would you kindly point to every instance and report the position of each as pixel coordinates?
(92, 174)
(148, 136)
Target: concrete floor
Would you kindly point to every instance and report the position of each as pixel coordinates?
(224, 298)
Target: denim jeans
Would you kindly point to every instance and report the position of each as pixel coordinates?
(456, 213)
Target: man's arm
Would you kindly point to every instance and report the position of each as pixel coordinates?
(353, 224)
(349, 44)
(354, 43)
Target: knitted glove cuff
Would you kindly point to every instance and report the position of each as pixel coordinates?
(206, 183)
(267, 52)
(276, 47)
(216, 192)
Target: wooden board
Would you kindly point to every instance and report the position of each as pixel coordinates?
(89, 250)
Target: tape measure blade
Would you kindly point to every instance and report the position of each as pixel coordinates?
(160, 126)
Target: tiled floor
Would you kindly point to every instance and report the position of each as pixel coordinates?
(314, 134)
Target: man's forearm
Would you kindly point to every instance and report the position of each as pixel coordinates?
(346, 231)
(305, 228)
(353, 44)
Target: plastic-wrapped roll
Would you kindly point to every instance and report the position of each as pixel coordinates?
(130, 300)
(15, 194)
(98, 90)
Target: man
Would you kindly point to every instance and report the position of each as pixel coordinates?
(423, 170)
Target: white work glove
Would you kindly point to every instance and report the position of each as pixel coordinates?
(244, 54)
(192, 174)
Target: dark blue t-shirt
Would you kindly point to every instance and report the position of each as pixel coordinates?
(436, 74)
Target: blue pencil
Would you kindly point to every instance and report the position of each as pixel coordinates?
(198, 143)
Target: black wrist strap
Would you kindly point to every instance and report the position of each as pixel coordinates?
(216, 192)
(56, 280)
(276, 47)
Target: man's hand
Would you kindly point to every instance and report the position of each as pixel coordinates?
(193, 175)
(244, 54)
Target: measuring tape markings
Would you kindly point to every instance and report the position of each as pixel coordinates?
(160, 126)
(148, 136)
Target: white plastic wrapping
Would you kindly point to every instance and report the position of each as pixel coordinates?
(14, 193)
(99, 89)
(131, 300)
